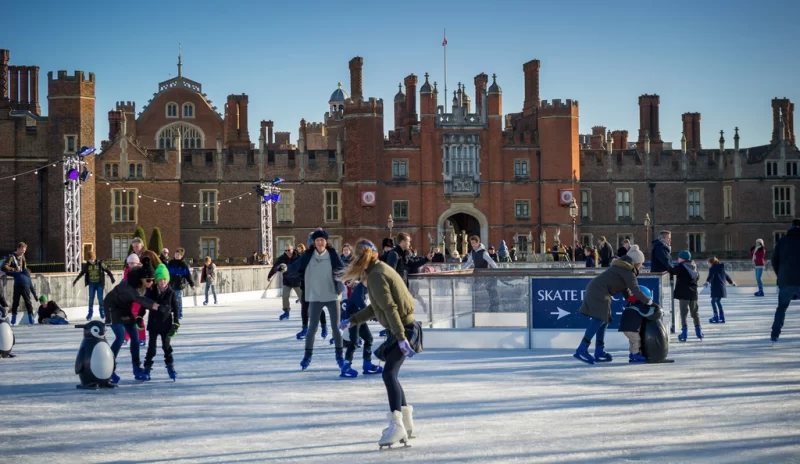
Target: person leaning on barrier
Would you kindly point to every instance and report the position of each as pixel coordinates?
(661, 253)
(480, 259)
(401, 260)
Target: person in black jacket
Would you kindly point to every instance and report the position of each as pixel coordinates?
(686, 278)
(623, 250)
(119, 314)
(288, 257)
(162, 322)
(387, 245)
(438, 256)
(661, 253)
(606, 252)
(400, 258)
(16, 266)
(94, 273)
(50, 313)
(785, 259)
(179, 276)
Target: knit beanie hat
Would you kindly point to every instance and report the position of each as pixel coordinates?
(319, 233)
(146, 271)
(684, 254)
(636, 255)
(387, 242)
(162, 272)
(43, 298)
(132, 259)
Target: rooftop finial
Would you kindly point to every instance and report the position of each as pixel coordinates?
(180, 62)
(340, 85)
(736, 132)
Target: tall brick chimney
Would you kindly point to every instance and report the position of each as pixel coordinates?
(648, 118)
(598, 134)
(532, 100)
(691, 130)
(114, 124)
(13, 76)
(782, 108)
(356, 67)
(481, 82)
(620, 138)
(244, 132)
(270, 125)
(399, 107)
(263, 132)
(4, 56)
(33, 106)
(411, 100)
(24, 81)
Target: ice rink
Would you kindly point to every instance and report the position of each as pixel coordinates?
(241, 397)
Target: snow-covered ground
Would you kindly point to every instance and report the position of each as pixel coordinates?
(241, 397)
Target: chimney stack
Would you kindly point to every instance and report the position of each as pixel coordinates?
(412, 118)
(4, 56)
(598, 132)
(648, 118)
(13, 76)
(609, 143)
(34, 89)
(114, 124)
(24, 80)
(620, 139)
(356, 67)
(691, 130)
(736, 139)
(783, 111)
(481, 82)
(532, 100)
(262, 136)
(270, 139)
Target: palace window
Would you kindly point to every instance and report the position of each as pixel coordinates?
(694, 199)
(791, 168)
(782, 201)
(399, 169)
(771, 168)
(111, 170)
(522, 209)
(400, 210)
(521, 168)
(208, 207)
(123, 205)
(586, 204)
(119, 246)
(281, 243)
(191, 136)
(332, 205)
(728, 242)
(695, 242)
(136, 170)
(172, 110)
(285, 207)
(461, 155)
(70, 143)
(777, 236)
(188, 110)
(209, 247)
(587, 239)
(624, 205)
(727, 202)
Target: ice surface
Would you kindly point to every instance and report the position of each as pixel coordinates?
(241, 397)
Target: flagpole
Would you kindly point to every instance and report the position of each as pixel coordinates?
(444, 45)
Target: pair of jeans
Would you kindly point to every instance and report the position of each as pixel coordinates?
(95, 289)
(166, 345)
(785, 296)
(213, 288)
(759, 273)
(179, 298)
(119, 334)
(596, 328)
(394, 360)
(315, 309)
(716, 305)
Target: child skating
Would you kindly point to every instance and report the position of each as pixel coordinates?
(686, 278)
(635, 313)
(717, 280)
(161, 323)
(350, 307)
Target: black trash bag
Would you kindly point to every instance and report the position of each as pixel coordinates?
(655, 341)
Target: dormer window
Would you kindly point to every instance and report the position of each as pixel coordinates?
(172, 110)
(188, 110)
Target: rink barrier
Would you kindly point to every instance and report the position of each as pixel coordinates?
(534, 308)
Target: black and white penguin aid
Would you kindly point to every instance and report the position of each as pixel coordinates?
(95, 362)
(7, 339)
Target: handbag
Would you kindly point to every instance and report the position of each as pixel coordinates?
(413, 334)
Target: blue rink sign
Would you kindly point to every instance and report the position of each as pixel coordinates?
(556, 301)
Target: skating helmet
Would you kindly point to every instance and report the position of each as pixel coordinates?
(647, 292)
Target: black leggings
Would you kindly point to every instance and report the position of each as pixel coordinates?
(394, 359)
(304, 313)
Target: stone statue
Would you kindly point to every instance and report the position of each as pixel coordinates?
(556, 237)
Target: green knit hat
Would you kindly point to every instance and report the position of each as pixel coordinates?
(42, 298)
(162, 272)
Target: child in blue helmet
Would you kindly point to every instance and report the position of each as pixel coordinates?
(633, 317)
(352, 305)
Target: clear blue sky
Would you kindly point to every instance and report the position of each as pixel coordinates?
(725, 59)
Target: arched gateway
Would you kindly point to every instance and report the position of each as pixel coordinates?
(463, 218)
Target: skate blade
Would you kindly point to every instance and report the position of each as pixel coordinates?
(403, 442)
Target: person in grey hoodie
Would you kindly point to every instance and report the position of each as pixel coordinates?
(686, 278)
(318, 268)
(479, 258)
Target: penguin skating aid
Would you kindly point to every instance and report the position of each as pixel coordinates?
(7, 339)
(95, 361)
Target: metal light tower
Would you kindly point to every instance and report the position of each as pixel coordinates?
(269, 194)
(73, 177)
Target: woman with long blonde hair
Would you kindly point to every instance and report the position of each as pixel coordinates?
(392, 305)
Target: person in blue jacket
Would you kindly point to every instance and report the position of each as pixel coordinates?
(717, 278)
(661, 252)
(352, 305)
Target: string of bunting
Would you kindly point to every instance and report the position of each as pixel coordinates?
(183, 204)
(34, 171)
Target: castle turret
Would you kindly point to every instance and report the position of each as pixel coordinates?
(495, 98)
(427, 101)
(399, 107)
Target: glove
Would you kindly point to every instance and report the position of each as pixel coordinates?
(282, 268)
(406, 348)
(174, 330)
(140, 323)
(345, 324)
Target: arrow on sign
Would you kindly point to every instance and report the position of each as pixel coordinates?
(561, 313)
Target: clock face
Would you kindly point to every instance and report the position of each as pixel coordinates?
(368, 198)
(566, 196)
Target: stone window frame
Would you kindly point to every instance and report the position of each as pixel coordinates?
(127, 239)
(138, 170)
(728, 242)
(337, 207)
(203, 253)
(522, 162)
(585, 212)
(286, 205)
(584, 242)
(336, 241)
(727, 202)
(621, 236)
(133, 195)
(774, 171)
(167, 107)
(792, 168)
(74, 139)
(209, 207)
(400, 217)
(617, 204)
(190, 106)
(521, 202)
(281, 240)
(400, 162)
(110, 168)
(699, 203)
(791, 201)
(692, 246)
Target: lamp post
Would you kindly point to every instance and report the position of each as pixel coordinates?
(647, 228)
(573, 213)
(390, 225)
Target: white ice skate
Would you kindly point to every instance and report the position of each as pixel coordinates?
(396, 432)
(408, 421)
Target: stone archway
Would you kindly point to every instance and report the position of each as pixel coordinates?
(464, 217)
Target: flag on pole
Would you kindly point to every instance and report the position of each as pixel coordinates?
(444, 42)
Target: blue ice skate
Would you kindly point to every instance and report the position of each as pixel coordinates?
(600, 354)
(382, 333)
(339, 360)
(370, 368)
(721, 317)
(305, 362)
(302, 334)
(324, 333)
(348, 372)
(699, 332)
(114, 378)
(284, 316)
(145, 375)
(13, 319)
(30, 318)
(714, 320)
(684, 334)
(636, 358)
(582, 353)
(171, 372)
